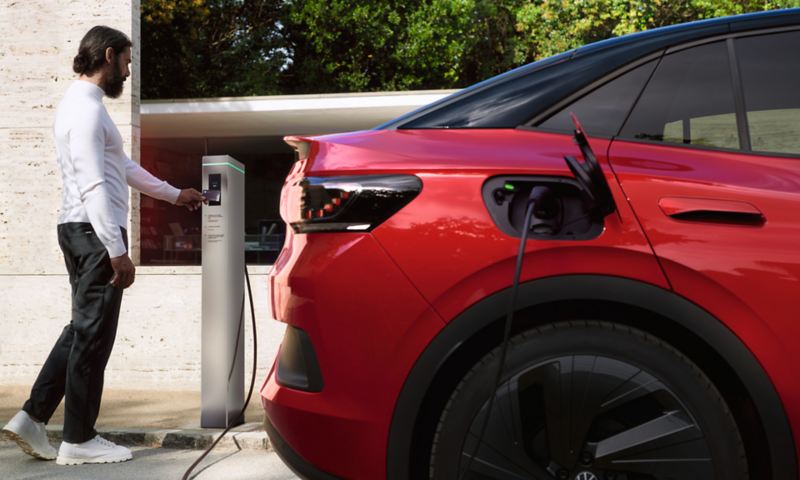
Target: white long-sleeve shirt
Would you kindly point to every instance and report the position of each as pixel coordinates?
(95, 170)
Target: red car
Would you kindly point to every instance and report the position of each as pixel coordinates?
(656, 323)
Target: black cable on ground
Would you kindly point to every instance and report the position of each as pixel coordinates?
(508, 323)
(233, 363)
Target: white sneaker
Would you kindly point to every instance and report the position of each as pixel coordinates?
(31, 436)
(96, 450)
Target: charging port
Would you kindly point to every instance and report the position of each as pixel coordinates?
(561, 211)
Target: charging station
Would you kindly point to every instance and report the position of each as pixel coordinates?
(222, 342)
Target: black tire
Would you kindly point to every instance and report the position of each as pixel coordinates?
(621, 404)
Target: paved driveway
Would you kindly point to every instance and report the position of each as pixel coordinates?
(150, 463)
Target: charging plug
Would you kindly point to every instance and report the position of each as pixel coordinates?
(548, 213)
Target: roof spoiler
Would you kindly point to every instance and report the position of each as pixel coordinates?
(301, 145)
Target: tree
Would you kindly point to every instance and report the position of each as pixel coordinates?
(360, 45)
(551, 26)
(211, 48)
(339, 45)
(455, 43)
(200, 48)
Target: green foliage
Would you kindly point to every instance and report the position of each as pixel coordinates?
(548, 27)
(211, 48)
(343, 45)
(198, 48)
(340, 45)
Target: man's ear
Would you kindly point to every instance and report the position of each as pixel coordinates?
(109, 55)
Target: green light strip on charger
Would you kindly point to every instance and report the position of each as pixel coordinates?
(224, 164)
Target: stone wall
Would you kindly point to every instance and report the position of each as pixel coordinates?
(39, 40)
(158, 341)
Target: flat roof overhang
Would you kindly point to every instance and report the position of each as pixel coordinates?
(277, 115)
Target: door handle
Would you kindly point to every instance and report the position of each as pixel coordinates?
(711, 210)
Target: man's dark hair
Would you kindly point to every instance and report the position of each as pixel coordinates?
(92, 51)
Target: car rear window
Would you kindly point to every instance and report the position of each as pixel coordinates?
(602, 111)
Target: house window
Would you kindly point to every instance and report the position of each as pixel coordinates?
(170, 235)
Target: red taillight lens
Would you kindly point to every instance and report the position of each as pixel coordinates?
(319, 201)
(357, 203)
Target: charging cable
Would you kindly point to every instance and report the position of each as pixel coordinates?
(240, 417)
(536, 197)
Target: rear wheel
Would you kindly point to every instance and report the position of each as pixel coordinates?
(588, 401)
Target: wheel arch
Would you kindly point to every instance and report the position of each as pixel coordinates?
(703, 338)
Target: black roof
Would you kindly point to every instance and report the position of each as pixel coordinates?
(512, 98)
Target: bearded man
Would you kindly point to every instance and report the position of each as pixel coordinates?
(96, 174)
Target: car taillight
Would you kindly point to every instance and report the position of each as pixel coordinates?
(351, 203)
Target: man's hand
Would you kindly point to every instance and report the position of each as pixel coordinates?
(124, 271)
(190, 198)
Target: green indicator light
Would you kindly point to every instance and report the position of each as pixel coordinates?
(508, 186)
(224, 164)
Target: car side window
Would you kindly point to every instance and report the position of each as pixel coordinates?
(688, 101)
(770, 73)
(602, 111)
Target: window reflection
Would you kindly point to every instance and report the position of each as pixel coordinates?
(171, 235)
(689, 100)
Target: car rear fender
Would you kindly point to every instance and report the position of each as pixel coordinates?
(409, 409)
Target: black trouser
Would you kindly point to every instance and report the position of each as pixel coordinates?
(75, 367)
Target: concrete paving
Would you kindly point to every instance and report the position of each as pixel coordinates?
(150, 463)
(163, 429)
(151, 418)
(149, 409)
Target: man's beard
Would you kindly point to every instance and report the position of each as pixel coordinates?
(114, 83)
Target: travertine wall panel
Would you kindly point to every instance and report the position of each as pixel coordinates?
(158, 340)
(39, 39)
